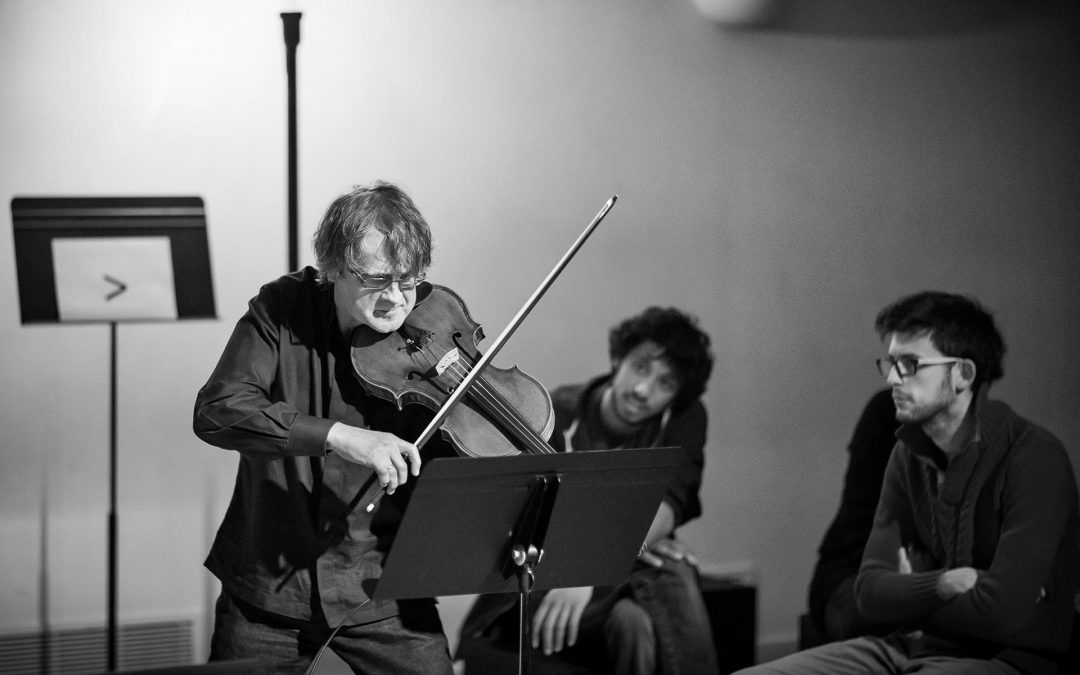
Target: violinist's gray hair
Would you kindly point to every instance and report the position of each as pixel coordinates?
(380, 207)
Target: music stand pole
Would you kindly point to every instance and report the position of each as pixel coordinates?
(112, 575)
(526, 551)
(526, 579)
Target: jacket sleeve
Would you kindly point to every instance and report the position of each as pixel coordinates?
(687, 430)
(842, 546)
(1039, 492)
(883, 593)
(246, 405)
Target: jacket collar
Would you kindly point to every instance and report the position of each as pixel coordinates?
(975, 427)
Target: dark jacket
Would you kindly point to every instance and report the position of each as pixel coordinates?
(296, 539)
(684, 429)
(842, 546)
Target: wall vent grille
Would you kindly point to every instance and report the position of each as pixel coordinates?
(82, 651)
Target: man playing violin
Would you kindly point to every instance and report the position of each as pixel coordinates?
(296, 546)
(656, 621)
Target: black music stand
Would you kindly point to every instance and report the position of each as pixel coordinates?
(107, 260)
(524, 523)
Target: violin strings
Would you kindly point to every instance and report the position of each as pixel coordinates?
(526, 432)
(497, 404)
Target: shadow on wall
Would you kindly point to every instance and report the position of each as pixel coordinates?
(878, 18)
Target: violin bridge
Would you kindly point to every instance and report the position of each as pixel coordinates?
(449, 358)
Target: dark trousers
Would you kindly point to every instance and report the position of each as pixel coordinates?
(413, 646)
(895, 654)
(655, 622)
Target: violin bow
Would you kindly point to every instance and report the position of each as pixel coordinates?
(497, 345)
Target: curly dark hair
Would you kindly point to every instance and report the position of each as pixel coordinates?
(957, 324)
(684, 345)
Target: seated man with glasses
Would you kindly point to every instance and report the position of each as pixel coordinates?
(293, 551)
(656, 621)
(973, 557)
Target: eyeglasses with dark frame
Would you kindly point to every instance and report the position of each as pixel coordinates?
(909, 365)
(381, 282)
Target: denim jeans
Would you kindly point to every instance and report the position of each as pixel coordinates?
(655, 622)
(892, 654)
(412, 644)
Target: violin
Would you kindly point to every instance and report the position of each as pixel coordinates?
(432, 360)
(505, 412)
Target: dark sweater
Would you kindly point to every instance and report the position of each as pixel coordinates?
(1007, 506)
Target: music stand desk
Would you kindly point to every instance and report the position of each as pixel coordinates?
(587, 513)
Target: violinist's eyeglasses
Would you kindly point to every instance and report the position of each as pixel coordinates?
(381, 282)
(909, 365)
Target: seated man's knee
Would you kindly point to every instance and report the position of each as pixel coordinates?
(629, 638)
(628, 623)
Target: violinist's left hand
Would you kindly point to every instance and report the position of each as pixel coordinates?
(668, 548)
(555, 623)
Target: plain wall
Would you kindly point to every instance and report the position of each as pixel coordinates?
(781, 184)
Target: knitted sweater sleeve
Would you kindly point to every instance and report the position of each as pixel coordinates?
(883, 593)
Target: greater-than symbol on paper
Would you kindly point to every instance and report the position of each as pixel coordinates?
(120, 288)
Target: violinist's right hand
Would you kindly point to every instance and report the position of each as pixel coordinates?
(392, 458)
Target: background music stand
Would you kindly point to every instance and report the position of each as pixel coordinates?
(107, 260)
(472, 512)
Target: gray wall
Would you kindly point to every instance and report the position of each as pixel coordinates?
(781, 184)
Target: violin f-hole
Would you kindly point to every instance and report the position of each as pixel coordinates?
(457, 336)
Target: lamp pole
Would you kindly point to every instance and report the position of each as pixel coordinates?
(291, 21)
